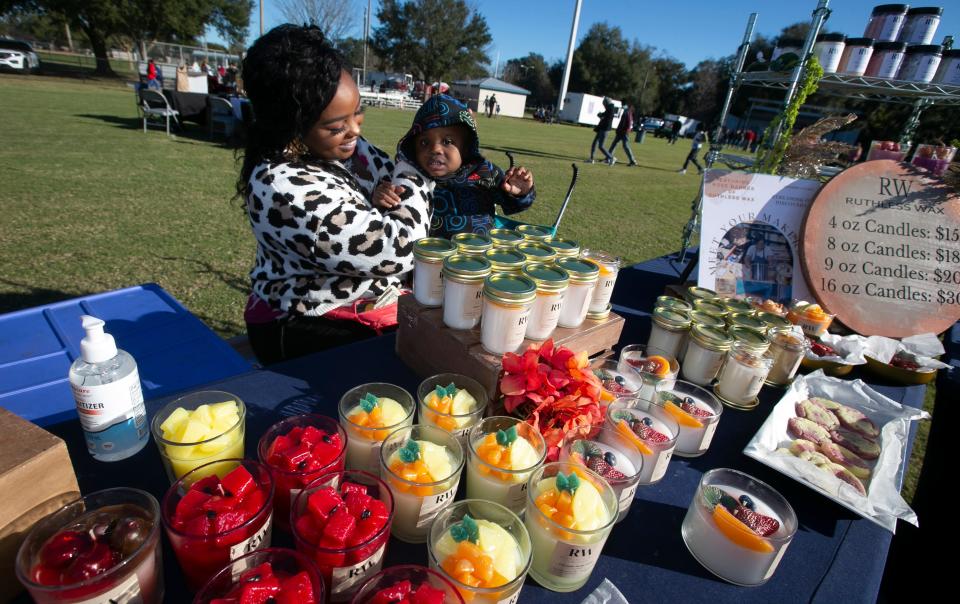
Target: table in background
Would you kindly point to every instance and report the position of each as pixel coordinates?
(174, 350)
(835, 556)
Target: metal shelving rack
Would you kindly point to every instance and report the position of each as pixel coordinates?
(918, 95)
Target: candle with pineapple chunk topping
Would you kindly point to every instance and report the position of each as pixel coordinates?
(421, 465)
(649, 428)
(451, 402)
(484, 548)
(738, 527)
(570, 511)
(369, 413)
(609, 454)
(503, 452)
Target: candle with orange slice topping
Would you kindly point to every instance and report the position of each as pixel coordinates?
(503, 452)
(570, 511)
(368, 414)
(811, 318)
(657, 371)
(697, 412)
(738, 527)
(421, 465)
(650, 428)
(484, 548)
(451, 402)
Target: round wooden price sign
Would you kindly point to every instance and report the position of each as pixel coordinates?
(881, 250)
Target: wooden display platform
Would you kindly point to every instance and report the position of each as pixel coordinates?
(429, 347)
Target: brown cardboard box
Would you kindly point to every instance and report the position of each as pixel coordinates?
(36, 478)
(429, 347)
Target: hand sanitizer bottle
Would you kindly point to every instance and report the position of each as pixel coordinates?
(106, 385)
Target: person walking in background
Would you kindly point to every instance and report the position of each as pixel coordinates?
(623, 135)
(675, 132)
(153, 76)
(698, 140)
(606, 122)
(748, 138)
(492, 105)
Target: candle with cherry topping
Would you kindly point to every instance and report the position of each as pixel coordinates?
(281, 576)
(483, 548)
(215, 520)
(738, 527)
(613, 457)
(100, 547)
(697, 412)
(408, 584)
(570, 511)
(503, 453)
(369, 413)
(651, 429)
(451, 402)
(421, 465)
(656, 370)
(298, 450)
(342, 522)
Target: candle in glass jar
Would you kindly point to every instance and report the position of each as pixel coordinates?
(786, 350)
(552, 282)
(706, 350)
(609, 267)
(668, 330)
(507, 300)
(743, 375)
(428, 256)
(462, 286)
(576, 301)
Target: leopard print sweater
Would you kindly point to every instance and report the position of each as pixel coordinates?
(321, 244)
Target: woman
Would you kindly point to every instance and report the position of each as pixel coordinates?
(324, 253)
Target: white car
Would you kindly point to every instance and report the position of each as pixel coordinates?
(18, 56)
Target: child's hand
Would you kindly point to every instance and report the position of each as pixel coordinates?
(386, 196)
(518, 181)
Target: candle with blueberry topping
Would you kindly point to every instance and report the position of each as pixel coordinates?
(738, 527)
(369, 413)
(697, 413)
(655, 370)
(650, 429)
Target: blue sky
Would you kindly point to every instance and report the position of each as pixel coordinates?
(690, 30)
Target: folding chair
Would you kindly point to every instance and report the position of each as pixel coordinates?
(220, 116)
(154, 105)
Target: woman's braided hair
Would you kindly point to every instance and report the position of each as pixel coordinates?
(290, 75)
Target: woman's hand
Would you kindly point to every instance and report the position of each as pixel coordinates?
(386, 195)
(517, 181)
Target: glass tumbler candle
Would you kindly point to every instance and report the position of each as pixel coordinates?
(744, 372)
(744, 552)
(214, 520)
(608, 453)
(483, 548)
(507, 303)
(617, 381)
(98, 548)
(649, 427)
(570, 512)
(298, 450)
(199, 428)
(697, 412)
(283, 575)
(552, 283)
(576, 301)
(342, 521)
(656, 371)
(463, 278)
(368, 414)
(421, 465)
(405, 583)
(428, 256)
(609, 268)
(452, 402)
(502, 453)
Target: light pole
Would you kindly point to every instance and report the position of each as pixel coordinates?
(261, 17)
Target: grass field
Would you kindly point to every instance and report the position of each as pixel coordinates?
(90, 203)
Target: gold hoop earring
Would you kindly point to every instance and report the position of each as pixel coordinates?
(295, 150)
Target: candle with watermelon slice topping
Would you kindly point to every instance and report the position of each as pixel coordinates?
(408, 584)
(651, 429)
(216, 520)
(299, 450)
(452, 402)
(280, 576)
(697, 412)
(369, 413)
(503, 453)
(421, 465)
(484, 549)
(738, 527)
(342, 522)
(612, 456)
(570, 511)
